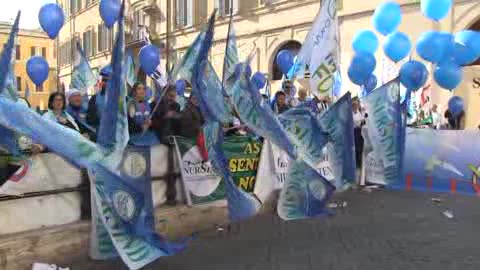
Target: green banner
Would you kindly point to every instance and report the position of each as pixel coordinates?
(202, 184)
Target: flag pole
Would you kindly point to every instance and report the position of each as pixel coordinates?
(226, 46)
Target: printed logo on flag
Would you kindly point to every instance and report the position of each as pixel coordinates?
(135, 165)
(124, 205)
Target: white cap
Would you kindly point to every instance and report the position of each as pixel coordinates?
(72, 92)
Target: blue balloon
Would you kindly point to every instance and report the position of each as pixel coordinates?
(387, 17)
(110, 11)
(456, 105)
(362, 66)
(51, 19)
(470, 39)
(436, 9)
(181, 85)
(365, 41)
(149, 59)
(433, 46)
(397, 46)
(448, 75)
(413, 75)
(285, 61)
(106, 71)
(371, 83)
(259, 80)
(462, 55)
(37, 70)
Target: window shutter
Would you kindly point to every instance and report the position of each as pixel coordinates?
(189, 12)
(179, 10)
(236, 6)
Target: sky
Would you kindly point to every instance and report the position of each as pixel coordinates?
(29, 10)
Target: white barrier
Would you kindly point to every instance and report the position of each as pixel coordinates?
(49, 172)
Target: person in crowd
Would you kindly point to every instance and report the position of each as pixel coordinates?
(139, 110)
(191, 119)
(436, 119)
(302, 97)
(97, 102)
(358, 123)
(280, 103)
(289, 90)
(455, 122)
(76, 109)
(57, 113)
(165, 117)
(322, 103)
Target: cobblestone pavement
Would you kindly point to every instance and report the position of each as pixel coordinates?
(383, 230)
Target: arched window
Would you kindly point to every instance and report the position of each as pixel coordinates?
(292, 45)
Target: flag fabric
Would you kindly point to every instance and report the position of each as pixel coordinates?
(305, 193)
(320, 51)
(306, 133)
(256, 113)
(241, 205)
(8, 88)
(231, 59)
(113, 130)
(337, 121)
(83, 77)
(8, 84)
(124, 200)
(385, 128)
(131, 76)
(208, 89)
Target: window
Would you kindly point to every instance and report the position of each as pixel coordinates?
(79, 5)
(73, 6)
(18, 54)
(105, 38)
(19, 84)
(224, 6)
(44, 52)
(39, 88)
(184, 12)
(32, 51)
(89, 43)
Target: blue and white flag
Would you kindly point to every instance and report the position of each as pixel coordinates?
(257, 114)
(231, 59)
(337, 121)
(113, 130)
(241, 205)
(320, 51)
(305, 193)
(83, 77)
(385, 128)
(208, 89)
(124, 201)
(131, 75)
(306, 133)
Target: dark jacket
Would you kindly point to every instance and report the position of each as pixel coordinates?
(93, 115)
(165, 126)
(137, 118)
(191, 121)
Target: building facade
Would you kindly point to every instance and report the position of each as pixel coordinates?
(32, 43)
(263, 28)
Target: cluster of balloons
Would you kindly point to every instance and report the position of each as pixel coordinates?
(51, 20)
(448, 52)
